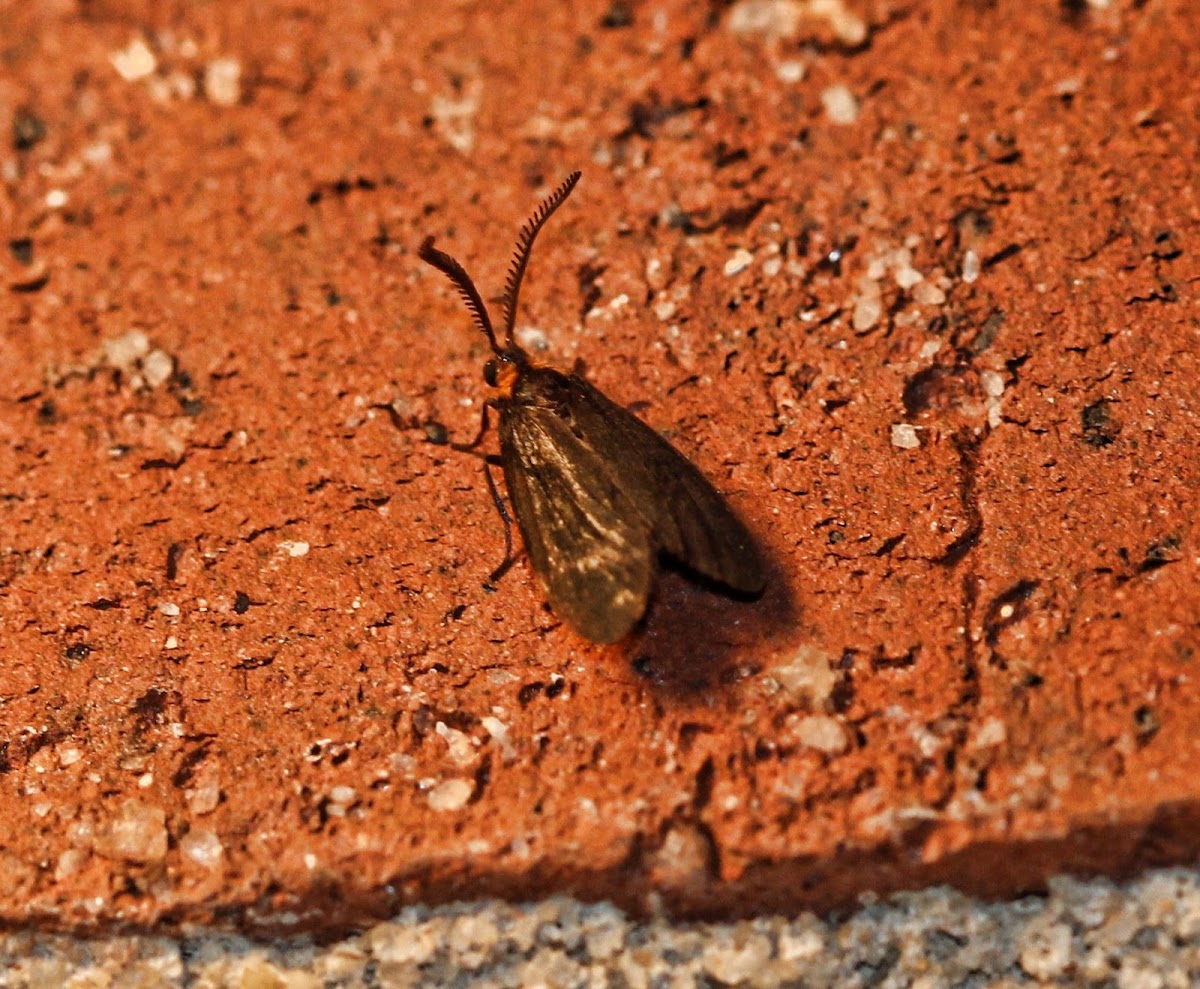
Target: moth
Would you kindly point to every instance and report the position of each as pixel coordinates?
(598, 495)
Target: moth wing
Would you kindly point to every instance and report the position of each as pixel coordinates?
(585, 539)
(689, 519)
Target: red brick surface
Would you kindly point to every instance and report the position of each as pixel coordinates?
(249, 672)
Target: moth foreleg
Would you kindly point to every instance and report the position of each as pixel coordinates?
(498, 501)
(484, 425)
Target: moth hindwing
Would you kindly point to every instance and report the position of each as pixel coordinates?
(598, 495)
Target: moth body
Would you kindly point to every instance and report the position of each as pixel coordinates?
(597, 494)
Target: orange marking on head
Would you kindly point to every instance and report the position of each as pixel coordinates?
(506, 379)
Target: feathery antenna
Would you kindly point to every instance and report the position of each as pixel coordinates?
(462, 281)
(516, 269)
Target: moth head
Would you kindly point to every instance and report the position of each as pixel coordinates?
(501, 371)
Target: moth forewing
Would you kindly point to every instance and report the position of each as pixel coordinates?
(687, 518)
(584, 537)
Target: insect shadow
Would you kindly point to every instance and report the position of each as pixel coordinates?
(693, 641)
(600, 498)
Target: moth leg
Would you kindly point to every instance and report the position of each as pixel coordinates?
(509, 558)
(484, 425)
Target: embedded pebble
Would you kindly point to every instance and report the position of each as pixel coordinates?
(927, 294)
(136, 833)
(205, 796)
(202, 847)
(790, 71)
(808, 676)
(157, 367)
(868, 305)
(992, 383)
(770, 18)
(993, 731)
(821, 732)
(841, 106)
(904, 436)
(970, 266)
(343, 795)
(125, 351)
(450, 794)
(135, 61)
(461, 746)
(741, 260)
(222, 81)
(786, 18)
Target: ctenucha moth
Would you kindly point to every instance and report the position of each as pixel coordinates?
(598, 495)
